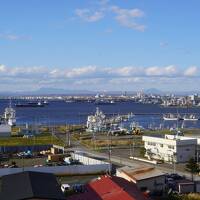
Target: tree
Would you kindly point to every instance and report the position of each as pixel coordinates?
(192, 167)
(142, 151)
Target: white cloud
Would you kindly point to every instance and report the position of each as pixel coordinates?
(92, 71)
(127, 17)
(2, 68)
(170, 70)
(97, 77)
(126, 71)
(13, 37)
(88, 15)
(93, 81)
(73, 73)
(120, 81)
(164, 44)
(103, 2)
(77, 72)
(191, 71)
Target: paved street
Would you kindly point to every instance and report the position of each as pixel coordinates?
(120, 157)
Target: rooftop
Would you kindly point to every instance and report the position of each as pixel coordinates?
(110, 188)
(141, 173)
(30, 185)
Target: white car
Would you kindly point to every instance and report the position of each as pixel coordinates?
(65, 187)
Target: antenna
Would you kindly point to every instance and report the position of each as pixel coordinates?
(10, 103)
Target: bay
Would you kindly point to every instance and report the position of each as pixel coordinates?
(60, 112)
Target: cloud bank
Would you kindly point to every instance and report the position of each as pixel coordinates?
(96, 78)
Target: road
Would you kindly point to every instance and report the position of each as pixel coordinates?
(121, 161)
(120, 157)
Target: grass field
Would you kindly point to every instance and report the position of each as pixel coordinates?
(20, 141)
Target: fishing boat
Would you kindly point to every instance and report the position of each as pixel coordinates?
(45, 102)
(171, 117)
(9, 115)
(191, 117)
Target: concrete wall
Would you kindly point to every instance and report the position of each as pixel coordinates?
(88, 160)
(184, 153)
(61, 170)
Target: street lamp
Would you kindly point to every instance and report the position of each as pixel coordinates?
(109, 150)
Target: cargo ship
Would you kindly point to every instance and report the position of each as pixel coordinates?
(30, 104)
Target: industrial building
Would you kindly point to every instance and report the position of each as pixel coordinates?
(146, 178)
(171, 148)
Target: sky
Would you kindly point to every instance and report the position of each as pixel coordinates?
(100, 45)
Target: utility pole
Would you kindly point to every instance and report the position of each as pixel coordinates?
(131, 147)
(174, 162)
(197, 155)
(94, 140)
(109, 150)
(22, 163)
(68, 141)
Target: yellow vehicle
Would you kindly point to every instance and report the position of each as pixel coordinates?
(136, 131)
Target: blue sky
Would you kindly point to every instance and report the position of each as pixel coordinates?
(99, 44)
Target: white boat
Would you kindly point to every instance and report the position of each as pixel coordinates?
(69, 101)
(96, 122)
(190, 118)
(171, 117)
(9, 115)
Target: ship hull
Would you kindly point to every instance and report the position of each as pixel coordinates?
(27, 105)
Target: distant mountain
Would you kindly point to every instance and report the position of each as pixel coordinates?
(153, 91)
(54, 91)
(57, 91)
(48, 91)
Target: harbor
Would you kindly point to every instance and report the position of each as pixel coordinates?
(62, 113)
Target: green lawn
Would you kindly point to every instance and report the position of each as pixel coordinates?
(20, 141)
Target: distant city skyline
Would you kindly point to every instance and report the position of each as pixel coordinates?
(110, 45)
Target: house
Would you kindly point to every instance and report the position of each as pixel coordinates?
(171, 148)
(110, 188)
(146, 178)
(30, 185)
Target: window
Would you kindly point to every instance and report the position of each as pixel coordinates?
(151, 143)
(143, 189)
(170, 147)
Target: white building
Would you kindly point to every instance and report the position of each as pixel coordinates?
(146, 178)
(171, 148)
(5, 130)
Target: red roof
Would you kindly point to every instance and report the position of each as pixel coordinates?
(110, 188)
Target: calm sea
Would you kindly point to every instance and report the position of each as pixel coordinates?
(60, 112)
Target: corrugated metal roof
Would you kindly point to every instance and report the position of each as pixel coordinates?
(141, 173)
(110, 188)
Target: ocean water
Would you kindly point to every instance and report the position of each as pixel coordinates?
(60, 112)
